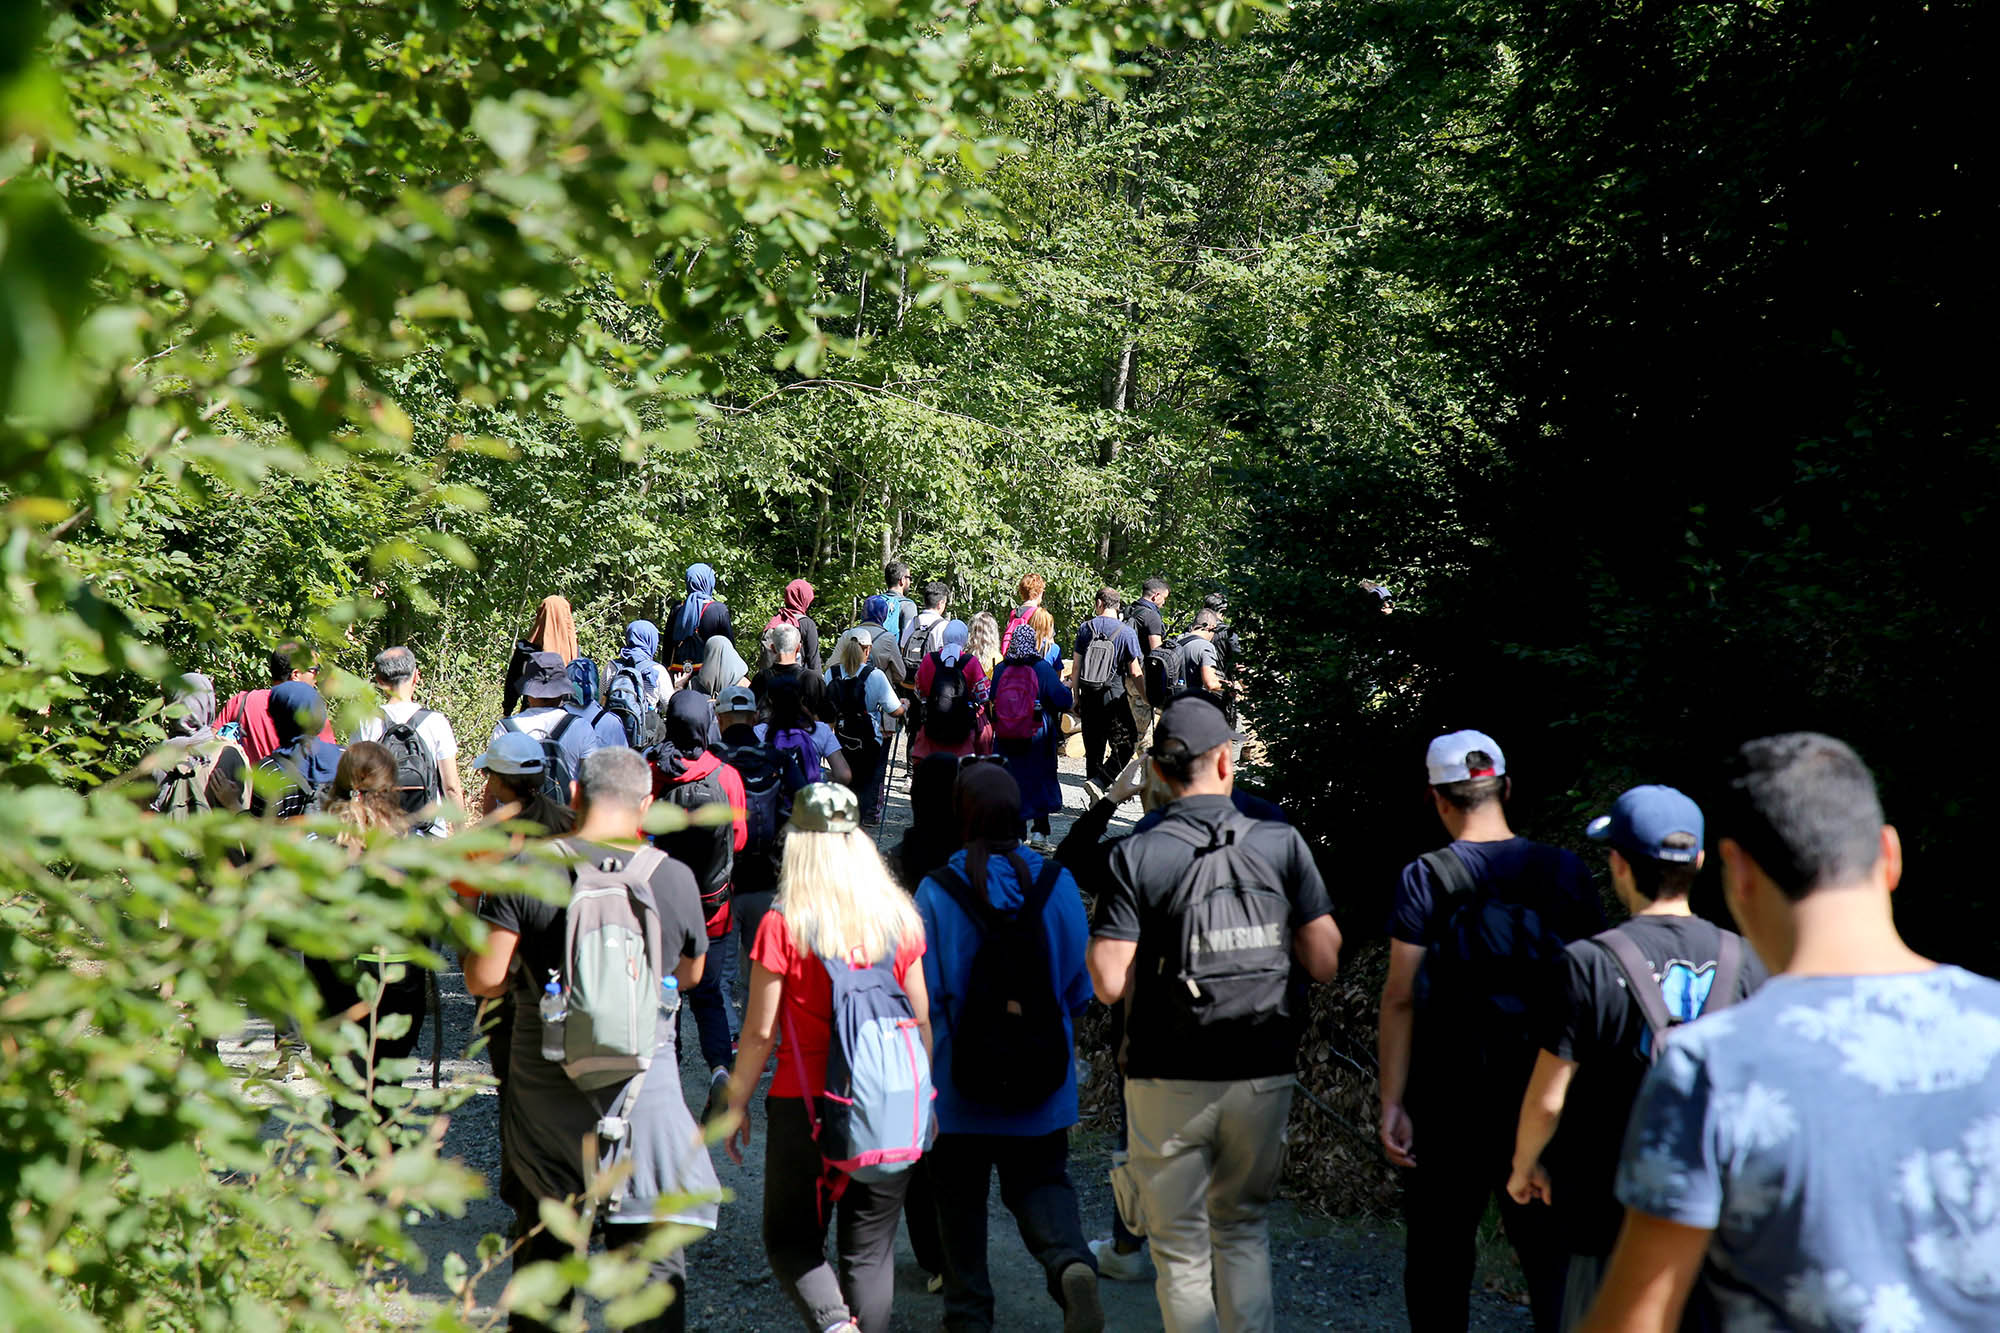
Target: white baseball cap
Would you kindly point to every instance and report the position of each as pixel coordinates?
(1446, 760)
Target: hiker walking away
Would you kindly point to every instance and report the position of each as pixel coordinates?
(812, 749)
(896, 589)
(1149, 627)
(640, 654)
(1606, 1023)
(835, 970)
(1210, 926)
(862, 701)
(301, 769)
(553, 631)
(1028, 697)
(951, 683)
(721, 666)
(613, 1088)
(587, 700)
(787, 666)
(198, 771)
(1820, 1155)
(687, 774)
(366, 801)
(566, 738)
(421, 740)
(798, 596)
(1107, 655)
(700, 617)
(771, 777)
(983, 641)
(1228, 650)
(248, 719)
(1028, 593)
(884, 653)
(923, 634)
(1004, 965)
(514, 765)
(1473, 938)
(1185, 664)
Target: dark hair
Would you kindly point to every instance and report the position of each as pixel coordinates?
(1178, 765)
(1208, 618)
(1473, 792)
(1110, 598)
(936, 595)
(517, 786)
(1153, 585)
(1805, 808)
(894, 572)
(291, 656)
(395, 665)
(1664, 879)
(1216, 601)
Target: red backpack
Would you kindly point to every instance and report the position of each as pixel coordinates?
(1017, 699)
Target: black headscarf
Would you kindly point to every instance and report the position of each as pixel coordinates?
(988, 804)
(933, 833)
(690, 721)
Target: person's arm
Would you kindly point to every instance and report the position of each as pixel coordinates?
(839, 769)
(688, 971)
(1211, 679)
(486, 969)
(454, 790)
(1398, 1025)
(1111, 963)
(1651, 1273)
(1317, 947)
(1541, 1109)
(753, 1050)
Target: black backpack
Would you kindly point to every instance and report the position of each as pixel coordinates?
(948, 711)
(627, 698)
(1098, 667)
(1166, 671)
(1234, 953)
(705, 849)
(851, 723)
(769, 779)
(417, 782)
(1644, 987)
(1485, 971)
(1010, 1023)
(557, 774)
(919, 641)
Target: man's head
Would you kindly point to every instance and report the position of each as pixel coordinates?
(895, 576)
(514, 765)
(545, 679)
(1109, 601)
(1030, 588)
(1466, 771)
(736, 706)
(783, 641)
(1191, 748)
(1154, 590)
(396, 672)
(614, 785)
(1206, 623)
(1216, 602)
(294, 661)
(1655, 838)
(1800, 818)
(936, 595)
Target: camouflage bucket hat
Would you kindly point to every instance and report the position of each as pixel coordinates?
(825, 807)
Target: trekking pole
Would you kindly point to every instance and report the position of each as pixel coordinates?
(888, 783)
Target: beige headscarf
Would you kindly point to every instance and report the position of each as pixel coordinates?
(554, 630)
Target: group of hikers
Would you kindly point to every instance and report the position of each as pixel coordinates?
(1817, 1151)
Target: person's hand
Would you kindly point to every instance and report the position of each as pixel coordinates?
(1128, 784)
(1399, 1136)
(1529, 1185)
(739, 1137)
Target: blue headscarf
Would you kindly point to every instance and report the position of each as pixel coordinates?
(298, 715)
(875, 611)
(701, 591)
(642, 645)
(955, 634)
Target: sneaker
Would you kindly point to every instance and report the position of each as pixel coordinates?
(1082, 1312)
(718, 1095)
(1115, 1266)
(1040, 843)
(1092, 793)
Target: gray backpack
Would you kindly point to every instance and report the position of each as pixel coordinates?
(614, 960)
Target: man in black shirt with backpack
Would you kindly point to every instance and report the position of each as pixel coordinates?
(1477, 927)
(1107, 655)
(1207, 931)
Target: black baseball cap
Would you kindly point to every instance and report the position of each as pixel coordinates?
(1191, 725)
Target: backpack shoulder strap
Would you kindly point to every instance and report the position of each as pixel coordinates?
(959, 888)
(1037, 900)
(1728, 971)
(509, 724)
(1452, 874)
(556, 733)
(1639, 980)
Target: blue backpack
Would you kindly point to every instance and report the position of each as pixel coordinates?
(585, 682)
(873, 1118)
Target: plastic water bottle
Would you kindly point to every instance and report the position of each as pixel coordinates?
(555, 1008)
(670, 996)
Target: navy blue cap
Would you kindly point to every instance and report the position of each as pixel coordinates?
(1643, 818)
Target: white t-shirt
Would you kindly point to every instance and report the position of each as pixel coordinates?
(436, 734)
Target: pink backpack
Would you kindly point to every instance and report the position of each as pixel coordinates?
(1017, 696)
(1021, 616)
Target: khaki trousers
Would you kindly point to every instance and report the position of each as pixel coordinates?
(1206, 1156)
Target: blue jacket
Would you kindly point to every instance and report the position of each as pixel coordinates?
(952, 942)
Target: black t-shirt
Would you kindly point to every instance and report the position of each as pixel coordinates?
(809, 644)
(810, 687)
(542, 925)
(1144, 876)
(1591, 1018)
(1146, 619)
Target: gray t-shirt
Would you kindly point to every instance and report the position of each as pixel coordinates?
(1200, 653)
(1841, 1137)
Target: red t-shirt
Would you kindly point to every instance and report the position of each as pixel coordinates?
(251, 710)
(807, 1008)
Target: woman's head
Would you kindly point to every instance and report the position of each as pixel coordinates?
(1044, 626)
(837, 896)
(987, 801)
(554, 630)
(853, 652)
(365, 794)
(1022, 645)
(983, 637)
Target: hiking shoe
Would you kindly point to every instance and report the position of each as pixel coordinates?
(1120, 1267)
(1092, 793)
(718, 1095)
(1082, 1312)
(1041, 843)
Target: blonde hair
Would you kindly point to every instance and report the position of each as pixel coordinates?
(1044, 626)
(982, 638)
(838, 898)
(853, 652)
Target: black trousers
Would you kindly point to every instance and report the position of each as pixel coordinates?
(863, 1286)
(1035, 1186)
(1444, 1201)
(617, 1236)
(1110, 736)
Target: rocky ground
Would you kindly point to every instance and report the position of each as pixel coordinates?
(1327, 1274)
